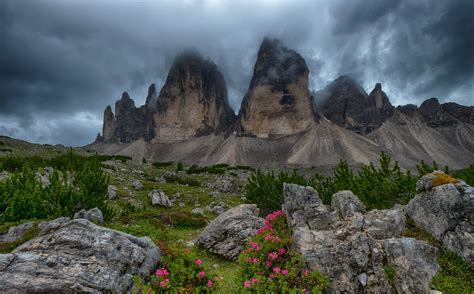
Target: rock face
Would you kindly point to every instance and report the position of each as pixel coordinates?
(353, 248)
(445, 115)
(109, 127)
(278, 101)
(79, 257)
(193, 102)
(345, 103)
(447, 212)
(226, 234)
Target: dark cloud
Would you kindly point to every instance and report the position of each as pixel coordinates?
(62, 62)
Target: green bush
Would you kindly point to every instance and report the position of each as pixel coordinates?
(22, 196)
(269, 263)
(179, 167)
(377, 187)
(163, 164)
(181, 271)
(213, 169)
(266, 189)
(466, 175)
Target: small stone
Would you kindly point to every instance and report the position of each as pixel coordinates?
(112, 192)
(197, 211)
(93, 215)
(137, 185)
(158, 197)
(363, 279)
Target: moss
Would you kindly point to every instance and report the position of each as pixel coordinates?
(390, 273)
(29, 234)
(415, 232)
(442, 179)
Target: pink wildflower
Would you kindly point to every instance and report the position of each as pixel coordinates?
(306, 272)
(254, 280)
(198, 262)
(254, 245)
(164, 283)
(247, 284)
(284, 272)
(201, 274)
(271, 276)
(268, 263)
(281, 251)
(209, 283)
(276, 270)
(273, 255)
(162, 272)
(268, 237)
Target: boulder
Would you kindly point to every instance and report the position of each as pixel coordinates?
(112, 192)
(137, 185)
(197, 211)
(217, 207)
(158, 197)
(93, 215)
(445, 211)
(226, 234)
(353, 247)
(17, 233)
(79, 257)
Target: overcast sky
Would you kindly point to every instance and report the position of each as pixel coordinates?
(62, 62)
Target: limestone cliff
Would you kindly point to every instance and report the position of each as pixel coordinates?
(193, 102)
(278, 101)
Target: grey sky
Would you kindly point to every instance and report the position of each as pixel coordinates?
(63, 62)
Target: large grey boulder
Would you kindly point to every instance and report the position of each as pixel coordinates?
(17, 233)
(446, 212)
(79, 257)
(353, 247)
(94, 215)
(158, 197)
(226, 234)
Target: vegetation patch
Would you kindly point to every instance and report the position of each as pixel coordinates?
(182, 180)
(29, 234)
(163, 164)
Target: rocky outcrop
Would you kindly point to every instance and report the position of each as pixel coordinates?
(93, 215)
(278, 101)
(109, 127)
(151, 98)
(355, 248)
(345, 103)
(79, 257)
(193, 102)
(445, 208)
(226, 234)
(129, 120)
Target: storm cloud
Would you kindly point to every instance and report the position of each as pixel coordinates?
(63, 62)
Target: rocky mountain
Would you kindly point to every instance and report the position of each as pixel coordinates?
(278, 124)
(278, 101)
(193, 102)
(345, 103)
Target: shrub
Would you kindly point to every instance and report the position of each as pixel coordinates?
(162, 164)
(179, 167)
(181, 271)
(266, 189)
(213, 169)
(466, 175)
(269, 265)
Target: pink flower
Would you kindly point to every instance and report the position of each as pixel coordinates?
(149, 291)
(276, 270)
(268, 237)
(273, 255)
(253, 260)
(254, 245)
(164, 283)
(284, 272)
(271, 276)
(201, 274)
(162, 272)
(268, 263)
(198, 262)
(209, 283)
(281, 251)
(254, 280)
(306, 272)
(247, 284)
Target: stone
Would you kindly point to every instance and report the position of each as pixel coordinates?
(217, 207)
(137, 185)
(193, 101)
(414, 263)
(158, 197)
(227, 234)
(160, 180)
(197, 211)
(345, 203)
(223, 184)
(79, 257)
(112, 192)
(447, 213)
(4, 175)
(278, 101)
(93, 215)
(354, 247)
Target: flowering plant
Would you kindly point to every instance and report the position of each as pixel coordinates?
(181, 271)
(269, 265)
